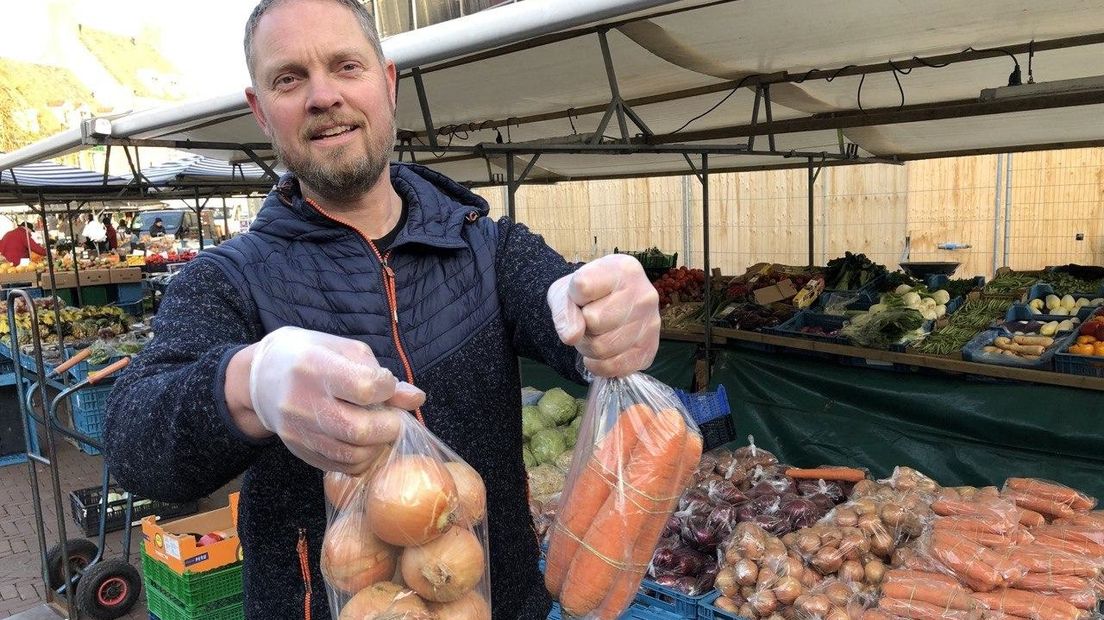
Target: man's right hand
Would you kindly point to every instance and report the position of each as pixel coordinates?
(325, 396)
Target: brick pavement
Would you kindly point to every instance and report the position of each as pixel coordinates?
(21, 584)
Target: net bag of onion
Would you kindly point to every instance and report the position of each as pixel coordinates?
(636, 450)
(407, 540)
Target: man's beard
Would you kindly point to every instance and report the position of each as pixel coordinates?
(336, 180)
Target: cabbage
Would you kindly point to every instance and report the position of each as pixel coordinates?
(532, 421)
(576, 423)
(545, 480)
(527, 456)
(563, 461)
(580, 407)
(557, 405)
(547, 445)
(571, 434)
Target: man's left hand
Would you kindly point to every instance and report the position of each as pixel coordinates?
(609, 311)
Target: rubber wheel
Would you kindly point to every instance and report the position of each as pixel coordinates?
(81, 551)
(108, 589)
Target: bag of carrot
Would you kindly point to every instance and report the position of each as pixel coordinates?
(407, 539)
(636, 451)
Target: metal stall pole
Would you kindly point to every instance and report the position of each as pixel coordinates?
(812, 181)
(225, 218)
(1007, 204)
(997, 211)
(708, 276)
(199, 217)
(511, 189)
(73, 251)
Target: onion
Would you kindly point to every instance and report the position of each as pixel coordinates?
(837, 614)
(470, 487)
(672, 527)
(747, 611)
(385, 599)
(446, 568)
(697, 533)
(745, 512)
(817, 605)
(667, 580)
(800, 510)
(763, 602)
(724, 603)
(353, 558)
(807, 543)
(341, 489)
(827, 561)
(723, 519)
(727, 582)
(753, 455)
(664, 558)
(851, 571)
(787, 590)
(724, 491)
(746, 572)
(838, 593)
(774, 523)
(687, 585)
(411, 501)
(692, 496)
(822, 501)
(873, 572)
(471, 606)
(687, 562)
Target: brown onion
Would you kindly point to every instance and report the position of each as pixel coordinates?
(472, 491)
(387, 598)
(807, 543)
(764, 603)
(341, 489)
(837, 614)
(787, 590)
(471, 606)
(852, 571)
(353, 558)
(873, 572)
(747, 572)
(747, 611)
(726, 581)
(446, 568)
(726, 604)
(411, 501)
(838, 593)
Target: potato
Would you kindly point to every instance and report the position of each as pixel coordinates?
(873, 572)
(847, 517)
(838, 593)
(827, 561)
(892, 514)
(851, 571)
(807, 543)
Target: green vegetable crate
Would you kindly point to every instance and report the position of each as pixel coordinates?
(163, 607)
(210, 595)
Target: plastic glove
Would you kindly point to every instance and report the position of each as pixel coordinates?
(327, 398)
(609, 311)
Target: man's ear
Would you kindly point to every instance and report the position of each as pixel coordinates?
(255, 106)
(392, 82)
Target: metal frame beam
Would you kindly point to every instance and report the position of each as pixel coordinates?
(423, 103)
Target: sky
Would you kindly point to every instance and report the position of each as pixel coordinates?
(201, 38)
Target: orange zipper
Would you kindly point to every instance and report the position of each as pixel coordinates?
(304, 568)
(392, 298)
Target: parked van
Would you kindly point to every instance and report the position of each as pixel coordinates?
(181, 223)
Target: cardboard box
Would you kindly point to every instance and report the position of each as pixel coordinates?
(770, 294)
(173, 545)
(92, 277)
(61, 279)
(125, 275)
(26, 277)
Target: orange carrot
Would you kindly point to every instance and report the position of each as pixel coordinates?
(841, 474)
(1043, 506)
(987, 539)
(628, 582)
(1079, 533)
(1078, 547)
(1093, 519)
(1001, 515)
(904, 574)
(931, 592)
(1041, 559)
(1030, 518)
(1050, 582)
(876, 614)
(649, 479)
(589, 492)
(1057, 493)
(1028, 605)
(1085, 599)
(920, 610)
(969, 560)
(974, 524)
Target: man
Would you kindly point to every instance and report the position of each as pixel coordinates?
(17, 244)
(157, 229)
(294, 349)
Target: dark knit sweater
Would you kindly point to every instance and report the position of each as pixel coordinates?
(168, 434)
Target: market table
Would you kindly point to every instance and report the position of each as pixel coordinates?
(958, 429)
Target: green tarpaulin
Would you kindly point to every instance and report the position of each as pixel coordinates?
(957, 430)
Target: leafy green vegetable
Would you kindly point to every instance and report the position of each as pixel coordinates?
(558, 406)
(547, 444)
(881, 329)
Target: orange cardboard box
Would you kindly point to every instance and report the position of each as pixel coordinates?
(94, 276)
(173, 544)
(61, 279)
(125, 275)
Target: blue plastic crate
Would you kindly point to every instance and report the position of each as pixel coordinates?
(1021, 312)
(89, 407)
(828, 322)
(1081, 365)
(705, 406)
(1042, 289)
(634, 612)
(972, 352)
(668, 600)
(706, 610)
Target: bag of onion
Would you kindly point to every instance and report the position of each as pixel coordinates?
(636, 450)
(407, 540)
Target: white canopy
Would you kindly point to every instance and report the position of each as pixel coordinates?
(863, 80)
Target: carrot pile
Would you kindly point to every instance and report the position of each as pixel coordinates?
(613, 513)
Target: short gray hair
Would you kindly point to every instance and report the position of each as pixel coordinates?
(367, 24)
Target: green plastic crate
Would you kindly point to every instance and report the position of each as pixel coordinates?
(193, 591)
(165, 608)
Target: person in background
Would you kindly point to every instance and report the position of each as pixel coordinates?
(364, 290)
(112, 239)
(17, 244)
(157, 229)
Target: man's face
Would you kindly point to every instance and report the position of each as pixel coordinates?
(323, 97)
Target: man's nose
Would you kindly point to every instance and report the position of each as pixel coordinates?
(323, 93)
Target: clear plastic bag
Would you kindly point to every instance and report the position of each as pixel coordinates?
(407, 540)
(1050, 499)
(636, 451)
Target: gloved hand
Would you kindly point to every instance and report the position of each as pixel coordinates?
(327, 398)
(609, 311)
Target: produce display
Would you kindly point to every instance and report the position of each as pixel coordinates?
(851, 272)
(78, 325)
(974, 316)
(170, 256)
(1090, 337)
(1062, 306)
(1011, 282)
(408, 538)
(1028, 348)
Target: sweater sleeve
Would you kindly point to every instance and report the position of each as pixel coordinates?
(168, 434)
(527, 266)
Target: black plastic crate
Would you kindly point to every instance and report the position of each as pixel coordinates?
(86, 506)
